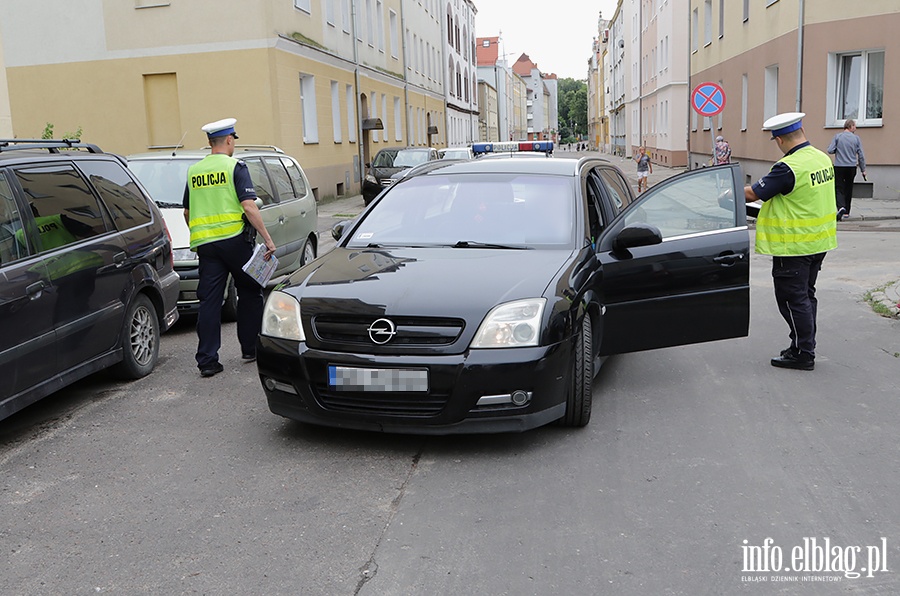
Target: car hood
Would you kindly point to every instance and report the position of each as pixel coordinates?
(178, 228)
(387, 172)
(447, 282)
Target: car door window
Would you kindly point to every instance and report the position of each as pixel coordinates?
(64, 208)
(300, 187)
(118, 191)
(283, 188)
(595, 215)
(261, 183)
(11, 248)
(698, 203)
(617, 188)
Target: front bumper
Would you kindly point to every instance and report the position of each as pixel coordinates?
(189, 274)
(467, 392)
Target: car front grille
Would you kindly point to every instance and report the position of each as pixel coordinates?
(385, 404)
(353, 330)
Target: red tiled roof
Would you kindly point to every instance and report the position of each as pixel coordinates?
(487, 56)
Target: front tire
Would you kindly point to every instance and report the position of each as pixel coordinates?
(140, 341)
(580, 398)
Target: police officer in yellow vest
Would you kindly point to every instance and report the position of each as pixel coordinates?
(796, 225)
(219, 203)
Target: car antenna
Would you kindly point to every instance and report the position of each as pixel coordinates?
(179, 144)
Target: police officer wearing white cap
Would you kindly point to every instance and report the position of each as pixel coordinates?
(797, 226)
(220, 209)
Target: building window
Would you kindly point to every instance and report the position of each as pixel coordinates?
(379, 14)
(308, 108)
(395, 40)
(745, 91)
(398, 127)
(721, 19)
(695, 34)
(336, 111)
(856, 82)
(345, 16)
(329, 12)
(707, 22)
(384, 118)
(351, 114)
(374, 97)
(746, 10)
(303, 5)
(770, 101)
(370, 24)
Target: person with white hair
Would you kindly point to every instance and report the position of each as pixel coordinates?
(723, 151)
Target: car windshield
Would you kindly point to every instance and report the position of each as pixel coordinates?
(164, 179)
(385, 158)
(408, 158)
(472, 210)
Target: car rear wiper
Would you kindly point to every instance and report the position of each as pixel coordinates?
(473, 244)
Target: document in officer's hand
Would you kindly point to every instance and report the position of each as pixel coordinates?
(258, 267)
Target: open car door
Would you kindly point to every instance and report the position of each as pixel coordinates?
(676, 265)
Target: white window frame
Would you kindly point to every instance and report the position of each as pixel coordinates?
(329, 12)
(395, 41)
(370, 24)
(345, 16)
(304, 5)
(384, 118)
(374, 113)
(351, 113)
(695, 34)
(398, 117)
(770, 93)
(707, 22)
(745, 94)
(379, 14)
(336, 112)
(308, 109)
(834, 84)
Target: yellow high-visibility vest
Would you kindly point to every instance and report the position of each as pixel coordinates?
(804, 221)
(215, 211)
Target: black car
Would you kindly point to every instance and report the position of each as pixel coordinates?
(86, 277)
(388, 162)
(483, 296)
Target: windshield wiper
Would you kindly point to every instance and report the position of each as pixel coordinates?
(473, 244)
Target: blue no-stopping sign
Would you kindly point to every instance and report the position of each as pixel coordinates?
(708, 99)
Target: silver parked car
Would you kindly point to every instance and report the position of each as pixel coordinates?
(285, 201)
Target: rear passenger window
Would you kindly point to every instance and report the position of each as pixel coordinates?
(617, 187)
(124, 201)
(63, 206)
(282, 182)
(261, 183)
(12, 241)
(296, 176)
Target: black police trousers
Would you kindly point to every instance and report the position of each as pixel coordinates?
(795, 293)
(217, 260)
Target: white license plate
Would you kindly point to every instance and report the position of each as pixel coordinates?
(400, 380)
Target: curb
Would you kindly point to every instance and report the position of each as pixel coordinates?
(888, 296)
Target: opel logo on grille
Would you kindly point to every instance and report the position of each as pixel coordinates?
(382, 331)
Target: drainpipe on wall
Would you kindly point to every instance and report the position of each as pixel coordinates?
(359, 117)
(797, 103)
(405, 73)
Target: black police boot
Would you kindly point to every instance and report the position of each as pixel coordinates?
(795, 360)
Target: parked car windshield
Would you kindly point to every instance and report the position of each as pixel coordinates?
(385, 158)
(522, 211)
(408, 158)
(164, 179)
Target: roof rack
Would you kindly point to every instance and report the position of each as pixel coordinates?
(52, 145)
(257, 147)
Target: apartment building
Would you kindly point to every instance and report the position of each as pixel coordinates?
(493, 69)
(598, 121)
(541, 100)
(488, 118)
(617, 80)
(462, 82)
(826, 58)
(325, 80)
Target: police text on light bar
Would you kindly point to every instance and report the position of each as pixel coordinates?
(541, 146)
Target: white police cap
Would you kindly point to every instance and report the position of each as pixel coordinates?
(784, 123)
(220, 128)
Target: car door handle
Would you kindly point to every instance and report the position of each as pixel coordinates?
(729, 259)
(281, 219)
(34, 290)
(119, 259)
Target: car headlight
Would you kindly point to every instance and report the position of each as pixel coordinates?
(371, 178)
(281, 317)
(184, 254)
(511, 325)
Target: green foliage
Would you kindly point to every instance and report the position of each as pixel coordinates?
(572, 107)
(48, 133)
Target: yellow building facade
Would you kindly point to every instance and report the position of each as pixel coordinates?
(310, 77)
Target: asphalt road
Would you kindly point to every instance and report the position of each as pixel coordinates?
(179, 484)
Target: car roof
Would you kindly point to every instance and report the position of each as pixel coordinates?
(239, 151)
(511, 165)
(29, 150)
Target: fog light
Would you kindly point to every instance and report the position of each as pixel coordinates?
(520, 398)
(270, 383)
(273, 385)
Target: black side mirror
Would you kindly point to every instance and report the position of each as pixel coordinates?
(636, 234)
(337, 230)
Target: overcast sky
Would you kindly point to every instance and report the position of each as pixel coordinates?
(556, 34)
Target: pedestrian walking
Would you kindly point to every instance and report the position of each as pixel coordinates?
(723, 151)
(796, 225)
(221, 212)
(644, 169)
(848, 154)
